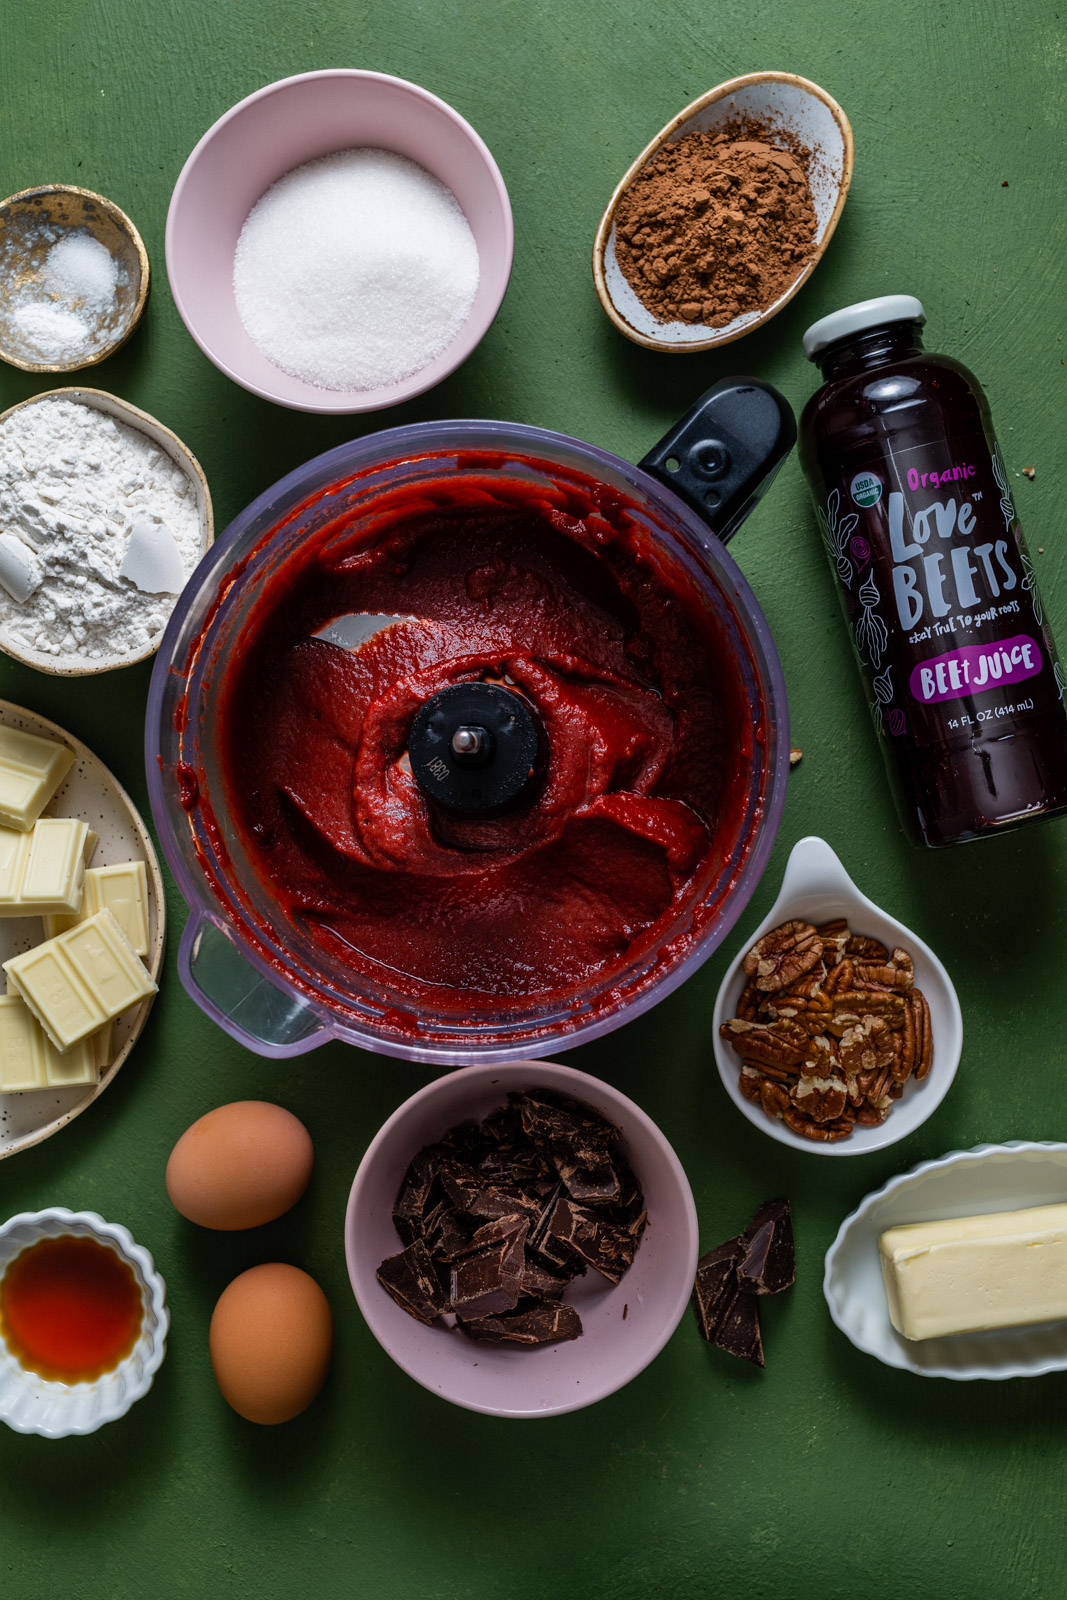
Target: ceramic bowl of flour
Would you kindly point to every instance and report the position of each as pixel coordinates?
(320, 327)
(775, 109)
(104, 514)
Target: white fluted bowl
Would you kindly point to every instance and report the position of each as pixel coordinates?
(32, 1404)
(992, 1177)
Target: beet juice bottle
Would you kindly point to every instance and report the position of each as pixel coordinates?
(939, 592)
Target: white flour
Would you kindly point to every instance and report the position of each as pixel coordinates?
(73, 484)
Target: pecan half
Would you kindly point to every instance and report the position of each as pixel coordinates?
(803, 988)
(886, 1003)
(749, 1082)
(821, 1099)
(748, 1004)
(896, 973)
(871, 1116)
(924, 1049)
(813, 1012)
(780, 1044)
(865, 949)
(867, 1047)
(840, 977)
(774, 1099)
(827, 1132)
(783, 954)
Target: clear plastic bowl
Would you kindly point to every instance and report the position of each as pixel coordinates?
(240, 960)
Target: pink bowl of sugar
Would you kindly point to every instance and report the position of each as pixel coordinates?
(339, 241)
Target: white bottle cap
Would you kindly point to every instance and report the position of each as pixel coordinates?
(851, 320)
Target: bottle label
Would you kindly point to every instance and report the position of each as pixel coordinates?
(940, 591)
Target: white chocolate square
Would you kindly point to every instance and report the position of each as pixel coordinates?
(28, 1060)
(42, 872)
(31, 770)
(79, 980)
(123, 889)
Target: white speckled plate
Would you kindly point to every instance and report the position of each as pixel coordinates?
(992, 1177)
(93, 794)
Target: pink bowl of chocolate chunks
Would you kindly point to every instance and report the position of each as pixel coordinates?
(521, 1239)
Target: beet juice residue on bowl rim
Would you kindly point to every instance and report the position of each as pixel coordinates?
(415, 928)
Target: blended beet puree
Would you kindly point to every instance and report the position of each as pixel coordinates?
(553, 591)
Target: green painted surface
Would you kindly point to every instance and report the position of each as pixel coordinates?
(826, 1475)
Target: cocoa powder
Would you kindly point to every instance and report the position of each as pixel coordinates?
(716, 224)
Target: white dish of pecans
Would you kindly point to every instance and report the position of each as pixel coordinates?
(844, 1034)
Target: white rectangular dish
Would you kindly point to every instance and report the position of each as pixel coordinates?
(992, 1177)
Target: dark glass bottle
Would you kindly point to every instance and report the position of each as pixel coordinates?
(948, 627)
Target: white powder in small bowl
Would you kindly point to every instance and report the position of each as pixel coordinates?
(354, 271)
(66, 309)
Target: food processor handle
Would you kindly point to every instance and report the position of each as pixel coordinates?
(722, 456)
(224, 985)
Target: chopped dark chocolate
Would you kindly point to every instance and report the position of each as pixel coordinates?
(602, 1244)
(498, 1219)
(730, 1279)
(538, 1323)
(769, 1263)
(411, 1279)
(578, 1143)
(737, 1330)
(716, 1283)
(547, 1246)
(486, 1276)
(538, 1283)
(414, 1196)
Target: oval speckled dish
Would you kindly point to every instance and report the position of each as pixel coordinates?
(992, 1177)
(184, 460)
(32, 1404)
(93, 794)
(30, 223)
(781, 102)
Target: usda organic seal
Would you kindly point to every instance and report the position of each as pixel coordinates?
(866, 489)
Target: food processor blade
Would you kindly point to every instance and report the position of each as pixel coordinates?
(355, 628)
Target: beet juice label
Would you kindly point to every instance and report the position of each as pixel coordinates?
(940, 592)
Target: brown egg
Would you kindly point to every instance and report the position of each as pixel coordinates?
(240, 1165)
(270, 1340)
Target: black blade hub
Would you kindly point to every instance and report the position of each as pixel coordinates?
(477, 748)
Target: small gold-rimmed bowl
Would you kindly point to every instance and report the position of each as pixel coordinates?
(55, 320)
(790, 108)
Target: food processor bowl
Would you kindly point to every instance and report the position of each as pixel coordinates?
(250, 967)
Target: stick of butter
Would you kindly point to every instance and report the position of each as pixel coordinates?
(967, 1274)
(29, 1060)
(31, 770)
(123, 889)
(42, 872)
(79, 980)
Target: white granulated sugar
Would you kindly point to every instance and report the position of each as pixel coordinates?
(67, 307)
(74, 483)
(356, 270)
(80, 266)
